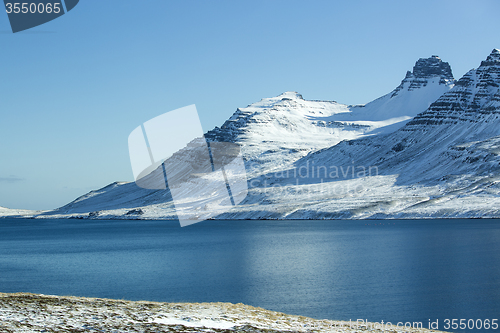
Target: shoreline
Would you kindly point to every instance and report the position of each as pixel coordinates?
(134, 218)
(21, 312)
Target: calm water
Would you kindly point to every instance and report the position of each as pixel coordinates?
(376, 270)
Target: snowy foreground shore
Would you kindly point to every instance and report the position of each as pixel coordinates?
(22, 312)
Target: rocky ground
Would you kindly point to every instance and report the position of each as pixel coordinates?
(22, 312)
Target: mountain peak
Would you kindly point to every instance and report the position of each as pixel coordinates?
(425, 71)
(290, 95)
(493, 58)
(495, 54)
(433, 66)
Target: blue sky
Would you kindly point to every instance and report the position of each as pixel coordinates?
(73, 89)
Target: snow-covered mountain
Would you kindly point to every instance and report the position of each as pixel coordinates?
(276, 131)
(443, 163)
(422, 150)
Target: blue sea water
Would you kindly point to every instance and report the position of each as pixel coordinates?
(392, 270)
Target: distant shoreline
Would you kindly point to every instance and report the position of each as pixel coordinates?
(125, 218)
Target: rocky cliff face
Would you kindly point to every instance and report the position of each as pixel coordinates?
(433, 66)
(424, 71)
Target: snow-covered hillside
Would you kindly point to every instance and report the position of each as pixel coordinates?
(319, 159)
(6, 212)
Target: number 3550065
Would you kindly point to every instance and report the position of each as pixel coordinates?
(32, 8)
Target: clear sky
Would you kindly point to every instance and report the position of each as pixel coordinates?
(73, 89)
